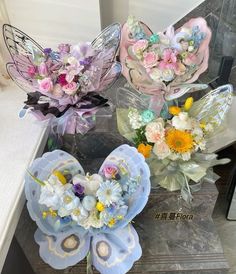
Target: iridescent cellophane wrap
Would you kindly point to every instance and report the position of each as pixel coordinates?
(64, 86)
(63, 242)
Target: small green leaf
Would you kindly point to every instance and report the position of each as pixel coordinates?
(36, 179)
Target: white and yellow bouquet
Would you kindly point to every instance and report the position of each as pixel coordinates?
(176, 148)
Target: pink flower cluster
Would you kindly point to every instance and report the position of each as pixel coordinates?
(164, 62)
(157, 62)
(63, 72)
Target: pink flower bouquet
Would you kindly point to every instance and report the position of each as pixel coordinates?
(164, 64)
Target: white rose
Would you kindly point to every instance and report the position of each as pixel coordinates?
(68, 203)
(182, 121)
(168, 75)
(90, 183)
(161, 150)
(155, 131)
(52, 192)
(79, 214)
(156, 74)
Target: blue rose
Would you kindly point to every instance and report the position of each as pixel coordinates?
(147, 116)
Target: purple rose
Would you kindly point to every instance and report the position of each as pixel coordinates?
(79, 189)
(47, 51)
(110, 171)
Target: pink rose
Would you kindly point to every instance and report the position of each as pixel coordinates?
(155, 131)
(150, 59)
(31, 71)
(43, 69)
(140, 46)
(162, 150)
(45, 85)
(110, 171)
(57, 91)
(70, 88)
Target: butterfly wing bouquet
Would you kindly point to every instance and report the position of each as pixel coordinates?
(81, 215)
(164, 64)
(64, 84)
(176, 148)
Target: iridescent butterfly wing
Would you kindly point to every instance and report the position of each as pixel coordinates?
(213, 107)
(23, 50)
(21, 82)
(108, 42)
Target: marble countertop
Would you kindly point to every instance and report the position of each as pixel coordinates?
(20, 142)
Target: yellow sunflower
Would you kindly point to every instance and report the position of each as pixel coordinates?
(179, 141)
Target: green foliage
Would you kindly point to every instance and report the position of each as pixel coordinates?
(140, 136)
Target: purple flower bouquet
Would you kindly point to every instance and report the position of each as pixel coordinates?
(63, 85)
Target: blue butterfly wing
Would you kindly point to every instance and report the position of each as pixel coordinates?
(133, 164)
(64, 249)
(42, 168)
(116, 252)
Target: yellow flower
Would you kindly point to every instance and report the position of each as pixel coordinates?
(202, 125)
(174, 110)
(60, 176)
(179, 141)
(111, 222)
(188, 103)
(99, 206)
(44, 214)
(120, 217)
(51, 212)
(145, 150)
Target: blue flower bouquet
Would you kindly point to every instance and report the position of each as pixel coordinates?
(81, 215)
